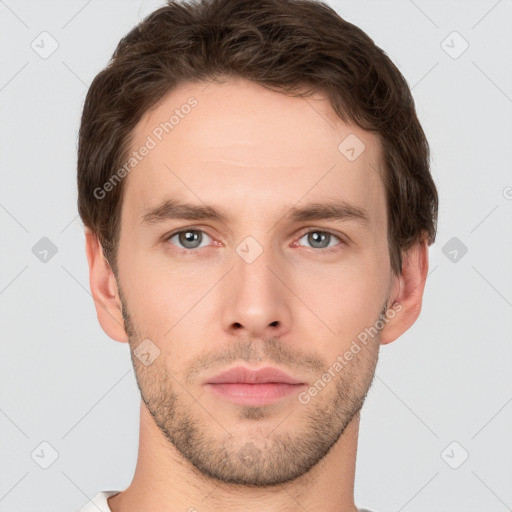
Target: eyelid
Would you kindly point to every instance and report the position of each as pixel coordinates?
(187, 228)
(340, 236)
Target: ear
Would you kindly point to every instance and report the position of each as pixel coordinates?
(104, 290)
(407, 293)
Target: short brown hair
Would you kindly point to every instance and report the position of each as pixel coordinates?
(296, 47)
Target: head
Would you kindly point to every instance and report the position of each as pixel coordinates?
(255, 186)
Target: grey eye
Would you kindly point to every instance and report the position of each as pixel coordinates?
(320, 239)
(189, 238)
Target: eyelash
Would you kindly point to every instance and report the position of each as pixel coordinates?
(325, 250)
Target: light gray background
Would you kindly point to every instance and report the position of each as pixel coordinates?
(449, 378)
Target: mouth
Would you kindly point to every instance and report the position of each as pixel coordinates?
(244, 386)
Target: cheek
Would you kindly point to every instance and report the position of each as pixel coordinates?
(347, 298)
(172, 303)
(151, 278)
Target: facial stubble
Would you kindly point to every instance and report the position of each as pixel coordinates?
(266, 458)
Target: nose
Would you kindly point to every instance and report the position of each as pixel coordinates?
(257, 299)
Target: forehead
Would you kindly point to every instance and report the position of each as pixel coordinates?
(239, 145)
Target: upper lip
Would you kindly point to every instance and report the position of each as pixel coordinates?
(239, 374)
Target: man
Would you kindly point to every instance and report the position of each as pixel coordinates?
(258, 206)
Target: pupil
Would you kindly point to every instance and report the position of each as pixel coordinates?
(317, 237)
(188, 239)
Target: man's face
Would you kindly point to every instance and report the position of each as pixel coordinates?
(259, 287)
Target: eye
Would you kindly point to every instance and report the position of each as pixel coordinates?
(189, 238)
(321, 239)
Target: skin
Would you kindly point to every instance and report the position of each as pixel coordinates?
(253, 154)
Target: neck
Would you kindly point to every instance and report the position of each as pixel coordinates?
(165, 481)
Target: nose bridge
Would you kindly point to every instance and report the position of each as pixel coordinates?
(257, 301)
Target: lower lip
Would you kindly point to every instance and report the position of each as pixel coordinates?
(254, 394)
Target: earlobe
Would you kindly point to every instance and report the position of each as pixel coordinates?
(407, 295)
(104, 290)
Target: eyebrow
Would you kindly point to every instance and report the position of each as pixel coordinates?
(330, 210)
